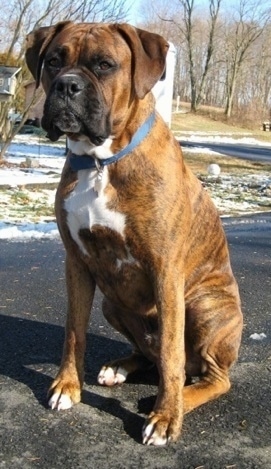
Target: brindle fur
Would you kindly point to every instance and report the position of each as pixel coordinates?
(167, 283)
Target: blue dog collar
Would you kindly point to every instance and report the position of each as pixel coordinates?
(79, 162)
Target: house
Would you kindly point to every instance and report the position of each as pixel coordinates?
(8, 79)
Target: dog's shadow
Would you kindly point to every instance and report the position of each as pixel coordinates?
(30, 352)
(132, 422)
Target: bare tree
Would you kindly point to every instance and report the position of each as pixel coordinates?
(223, 53)
(198, 80)
(153, 17)
(190, 27)
(242, 32)
(252, 97)
(97, 10)
(187, 29)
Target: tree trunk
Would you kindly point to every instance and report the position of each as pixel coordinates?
(231, 86)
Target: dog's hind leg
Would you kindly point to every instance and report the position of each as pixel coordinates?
(217, 350)
(208, 388)
(137, 330)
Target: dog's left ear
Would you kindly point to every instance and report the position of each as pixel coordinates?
(149, 53)
(36, 44)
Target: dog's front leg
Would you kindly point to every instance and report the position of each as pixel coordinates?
(164, 423)
(66, 388)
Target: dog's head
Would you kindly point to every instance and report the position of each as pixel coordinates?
(91, 73)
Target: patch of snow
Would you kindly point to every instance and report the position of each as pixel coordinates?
(202, 150)
(28, 231)
(204, 138)
(256, 336)
(20, 177)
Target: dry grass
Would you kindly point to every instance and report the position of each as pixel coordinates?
(212, 120)
(199, 163)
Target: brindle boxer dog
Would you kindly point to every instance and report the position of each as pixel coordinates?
(134, 221)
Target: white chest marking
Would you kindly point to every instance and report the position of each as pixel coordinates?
(85, 207)
(85, 147)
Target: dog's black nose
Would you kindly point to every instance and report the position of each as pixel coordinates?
(69, 86)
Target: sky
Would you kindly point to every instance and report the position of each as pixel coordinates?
(135, 11)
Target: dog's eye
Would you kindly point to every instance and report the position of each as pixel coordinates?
(101, 66)
(54, 62)
(104, 65)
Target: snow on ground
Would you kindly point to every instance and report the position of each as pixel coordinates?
(220, 138)
(27, 230)
(27, 190)
(27, 187)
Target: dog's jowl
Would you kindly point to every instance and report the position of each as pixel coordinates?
(135, 222)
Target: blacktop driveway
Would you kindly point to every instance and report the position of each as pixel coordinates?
(104, 431)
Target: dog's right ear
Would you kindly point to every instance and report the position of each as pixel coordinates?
(36, 45)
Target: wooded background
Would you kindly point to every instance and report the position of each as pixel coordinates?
(223, 52)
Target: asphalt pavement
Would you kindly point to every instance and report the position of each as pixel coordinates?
(256, 153)
(104, 431)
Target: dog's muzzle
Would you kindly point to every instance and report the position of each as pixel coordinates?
(75, 106)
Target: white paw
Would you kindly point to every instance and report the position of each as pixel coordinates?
(151, 437)
(60, 401)
(110, 376)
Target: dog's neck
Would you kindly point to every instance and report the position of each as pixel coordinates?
(84, 156)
